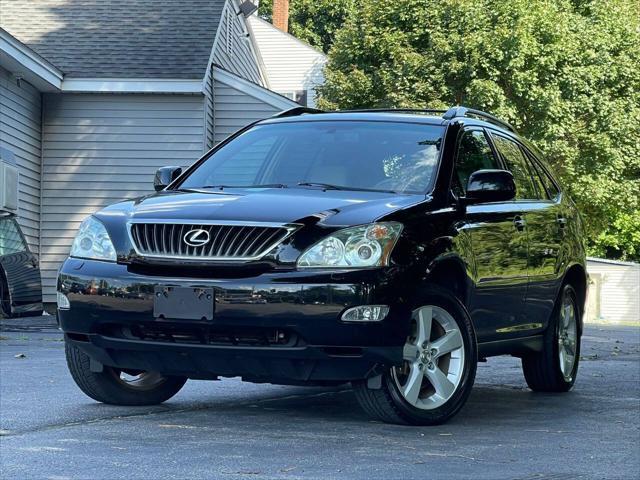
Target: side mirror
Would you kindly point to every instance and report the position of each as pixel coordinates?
(490, 186)
(164, 176)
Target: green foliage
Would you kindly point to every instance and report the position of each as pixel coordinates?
(314, 21)
(565, 73)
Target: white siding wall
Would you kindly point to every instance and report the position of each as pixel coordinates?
(235, 109)
(21, 133)
(619, 288)
(99, 149)
(239, 58)
(289, 63)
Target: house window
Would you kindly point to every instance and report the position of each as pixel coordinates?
(298, 96)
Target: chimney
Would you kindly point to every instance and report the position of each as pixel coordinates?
(281, 14)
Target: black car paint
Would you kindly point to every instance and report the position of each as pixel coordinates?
(21, 274)
(506, 262)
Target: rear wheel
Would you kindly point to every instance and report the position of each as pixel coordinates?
(554, 369)
(438, 369)
(120, 387)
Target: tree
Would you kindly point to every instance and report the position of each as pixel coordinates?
(565, 73)
(313, 21)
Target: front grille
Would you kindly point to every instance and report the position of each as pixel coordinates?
(223, 242)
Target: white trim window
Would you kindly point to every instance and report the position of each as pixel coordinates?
(299, 96)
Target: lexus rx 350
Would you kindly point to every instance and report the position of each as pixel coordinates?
(391, 250)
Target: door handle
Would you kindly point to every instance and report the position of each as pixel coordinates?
(519, 223)
(562, 221)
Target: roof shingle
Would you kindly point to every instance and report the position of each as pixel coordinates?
(117, 38)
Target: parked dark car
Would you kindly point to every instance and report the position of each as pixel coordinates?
(389, 249)
(20, 285)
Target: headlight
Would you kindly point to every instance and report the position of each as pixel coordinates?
(363, 246)
(92, 241)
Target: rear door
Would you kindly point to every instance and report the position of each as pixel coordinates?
(20, 267)
(540, 215)
(498, 241)
(546, 231)
(525, 207)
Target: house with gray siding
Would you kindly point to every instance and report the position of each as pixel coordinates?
(95, 96)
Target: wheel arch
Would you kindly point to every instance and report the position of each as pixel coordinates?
(576, 276)
(450, 273)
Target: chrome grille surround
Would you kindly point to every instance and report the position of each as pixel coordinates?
(228, 240)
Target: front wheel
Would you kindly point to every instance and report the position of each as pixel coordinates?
(438, 369)
(120, 387)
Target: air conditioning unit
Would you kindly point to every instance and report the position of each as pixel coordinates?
(8, 187)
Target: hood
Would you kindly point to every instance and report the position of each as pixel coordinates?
(279, 205)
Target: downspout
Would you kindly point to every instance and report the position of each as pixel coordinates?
(42, 117)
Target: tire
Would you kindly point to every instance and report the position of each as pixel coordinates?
(396, 401)
(108, 386)
(5, 304)
(547, 371)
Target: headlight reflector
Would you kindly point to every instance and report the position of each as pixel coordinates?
(92, 241)
(62, 301)
(362, 246)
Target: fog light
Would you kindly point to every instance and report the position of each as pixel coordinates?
(365, 313)
(63, 301)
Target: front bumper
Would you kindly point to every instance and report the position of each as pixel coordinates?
(111, 319)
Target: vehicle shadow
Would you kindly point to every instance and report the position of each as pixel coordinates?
(488, 407)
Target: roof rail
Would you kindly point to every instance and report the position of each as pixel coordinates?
(295, 111)
(392, 110)
(453, 112)
(459, 111)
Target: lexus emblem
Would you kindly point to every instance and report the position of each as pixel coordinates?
(196, 238)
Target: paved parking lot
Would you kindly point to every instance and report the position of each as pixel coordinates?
(230, 429)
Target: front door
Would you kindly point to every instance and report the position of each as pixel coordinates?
(499, 243)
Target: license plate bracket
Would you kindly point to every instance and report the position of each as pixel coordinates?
(183, 303)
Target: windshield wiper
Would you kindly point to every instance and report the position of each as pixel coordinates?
(325, 186)
(329, 186)
(266, 185)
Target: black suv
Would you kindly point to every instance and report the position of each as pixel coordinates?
(389, 249)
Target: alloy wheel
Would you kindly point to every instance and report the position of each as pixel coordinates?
(567, 337)
(434, 359)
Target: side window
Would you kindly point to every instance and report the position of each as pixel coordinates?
(10, 238)
(537, 179)
(474, 153)
(517, 164)
(542, 175)
(549, 184)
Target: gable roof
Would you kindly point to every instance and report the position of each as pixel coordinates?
(117, 38)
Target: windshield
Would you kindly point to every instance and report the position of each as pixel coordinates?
(350, 155)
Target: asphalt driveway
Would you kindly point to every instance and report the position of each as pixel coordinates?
(230, 429)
